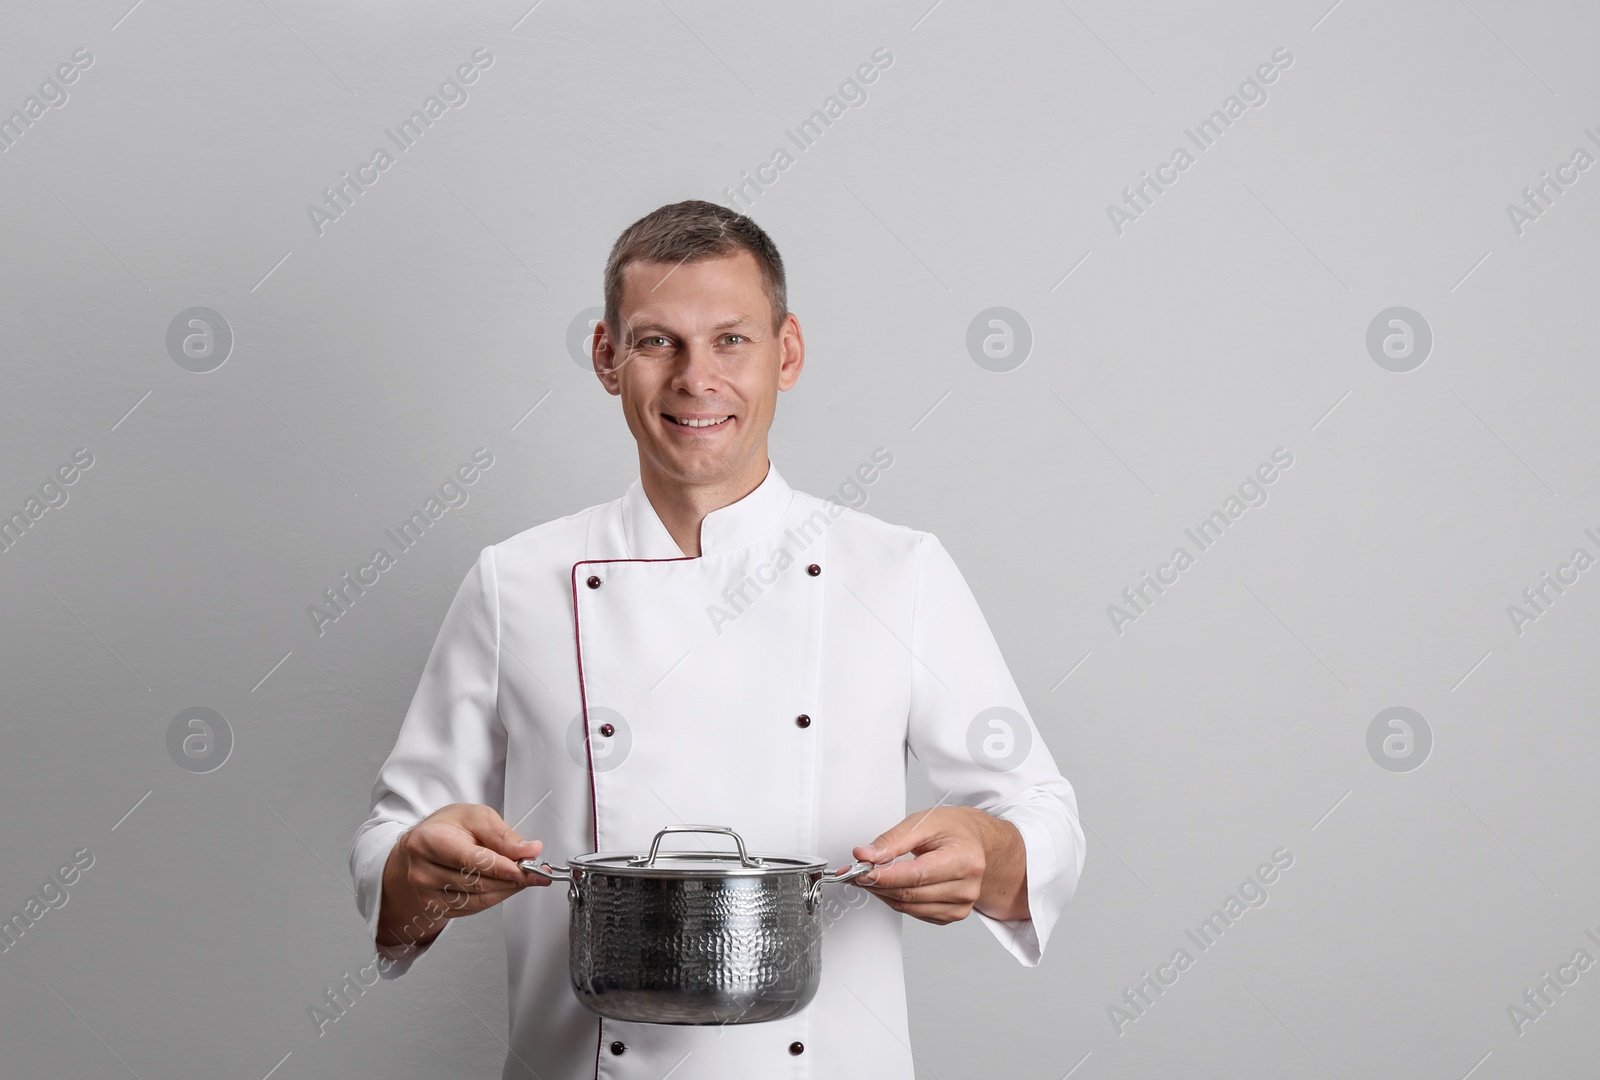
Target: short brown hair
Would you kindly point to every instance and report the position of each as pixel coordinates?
(688, 231)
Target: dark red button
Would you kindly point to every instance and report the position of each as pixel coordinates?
(593, 582)
(813, 570)
(803, 720)
(607, 730)
(797, 1048)
(618, 1047)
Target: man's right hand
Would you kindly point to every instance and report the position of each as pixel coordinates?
(457, 861)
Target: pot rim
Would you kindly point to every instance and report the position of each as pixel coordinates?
(694, 864)
(675, 865)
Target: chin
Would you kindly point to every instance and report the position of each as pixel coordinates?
(705, 467)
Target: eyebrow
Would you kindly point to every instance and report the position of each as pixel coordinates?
(727, 324)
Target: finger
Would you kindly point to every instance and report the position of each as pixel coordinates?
(934, 865)
(482, 883)
(490, 830)
(913, 832)
(499, 847)
(958, 891)
(492, 866)
(891, 844)
(941, 880)
(935, 913)
(436, 880)
(461, 903)
(452, 849)
(483, 886)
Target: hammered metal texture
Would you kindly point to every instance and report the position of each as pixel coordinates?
(733, 950)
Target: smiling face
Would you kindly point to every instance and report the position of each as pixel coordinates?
(698, 366)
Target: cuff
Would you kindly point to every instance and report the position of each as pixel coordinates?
(367, 860)
(1025, 938)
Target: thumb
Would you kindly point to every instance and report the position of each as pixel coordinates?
(515, 847)
(512, 840)
(888, 846)
(491, 831)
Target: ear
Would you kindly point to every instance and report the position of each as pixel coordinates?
(606, 354)
(791, 352)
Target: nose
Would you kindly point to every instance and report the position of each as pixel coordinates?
(698, 370)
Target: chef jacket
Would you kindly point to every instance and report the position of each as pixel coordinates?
(774, 684)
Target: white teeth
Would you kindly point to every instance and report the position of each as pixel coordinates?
(699, 423)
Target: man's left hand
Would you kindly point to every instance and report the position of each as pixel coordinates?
(965, 859)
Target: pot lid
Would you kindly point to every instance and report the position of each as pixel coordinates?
(696, 864)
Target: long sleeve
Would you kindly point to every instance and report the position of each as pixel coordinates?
(972, 733)
(451, 745)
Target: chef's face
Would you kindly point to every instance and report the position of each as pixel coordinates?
(698, 366)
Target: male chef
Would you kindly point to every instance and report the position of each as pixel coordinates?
(714, 647)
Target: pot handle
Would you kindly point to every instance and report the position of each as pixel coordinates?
(841, 876)
(555, 874)
(838, 877)
(655, 846)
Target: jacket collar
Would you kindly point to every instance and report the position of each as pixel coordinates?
(724, 529)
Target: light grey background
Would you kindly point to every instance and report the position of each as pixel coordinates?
(1228, 721)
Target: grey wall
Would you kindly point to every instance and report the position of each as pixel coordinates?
(1232, 718)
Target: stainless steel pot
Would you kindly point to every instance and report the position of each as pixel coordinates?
(695, 937)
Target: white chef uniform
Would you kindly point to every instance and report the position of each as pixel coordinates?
(774, 684)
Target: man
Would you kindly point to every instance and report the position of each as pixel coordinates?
(714, 647)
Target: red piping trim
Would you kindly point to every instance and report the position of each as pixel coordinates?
(583, 692)
(583, 697)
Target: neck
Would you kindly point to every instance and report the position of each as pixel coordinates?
(683, 506)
